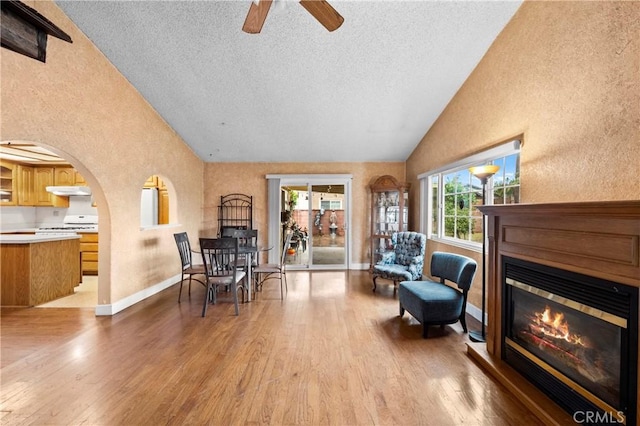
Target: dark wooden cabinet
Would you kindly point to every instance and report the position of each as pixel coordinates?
(389, 213)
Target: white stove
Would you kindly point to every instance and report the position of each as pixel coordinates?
(72, 224)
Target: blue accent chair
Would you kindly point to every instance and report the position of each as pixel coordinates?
(404, 262)
(436, 303)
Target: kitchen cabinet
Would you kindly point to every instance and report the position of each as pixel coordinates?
(64, 176)
(26, 186)
(44, 176)
(79, 179)
(37, 269)
(389, 213)
(8, 184)
(163, 207)
(155, 182)
(151, 182)
(89, 252)
(68, 176)
(163, 203)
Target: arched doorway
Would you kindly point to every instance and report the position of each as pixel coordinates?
(50, 193)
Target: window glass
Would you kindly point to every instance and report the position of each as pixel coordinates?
(435, 197)
(458, 199)
(455, 195)
(331, 204)
(506, 183)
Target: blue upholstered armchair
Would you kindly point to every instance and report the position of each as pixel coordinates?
(404, 262)
(435, 302)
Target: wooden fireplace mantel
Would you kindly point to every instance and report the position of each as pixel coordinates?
(599, 239)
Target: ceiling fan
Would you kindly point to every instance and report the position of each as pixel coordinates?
(320, 9)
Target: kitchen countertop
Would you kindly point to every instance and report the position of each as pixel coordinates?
(34, 230)
(18, 231)
(29, 239)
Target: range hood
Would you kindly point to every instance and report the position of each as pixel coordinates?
(69, 190)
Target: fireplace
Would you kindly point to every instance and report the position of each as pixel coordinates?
(574, 337)
(569, 270)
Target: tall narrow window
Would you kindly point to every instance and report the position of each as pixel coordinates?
(435, 202)
(506, 183)
(457, 202)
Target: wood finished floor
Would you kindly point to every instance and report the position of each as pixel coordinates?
(331, 353)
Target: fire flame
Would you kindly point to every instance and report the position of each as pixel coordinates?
(555, 325)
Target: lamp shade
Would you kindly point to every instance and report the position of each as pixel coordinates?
(484, 172)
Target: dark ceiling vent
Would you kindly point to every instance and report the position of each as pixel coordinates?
(25, 31)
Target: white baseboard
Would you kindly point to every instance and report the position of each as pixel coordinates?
(114, 308)
(359, 266)
(476, 312)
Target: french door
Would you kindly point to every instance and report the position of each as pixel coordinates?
(315, 209)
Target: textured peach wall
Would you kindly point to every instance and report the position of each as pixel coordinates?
(79, 105)
(250, 178)
(566, 75)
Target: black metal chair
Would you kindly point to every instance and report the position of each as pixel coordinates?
(247, 244)
(220, 256)
(188, 268)
(261, 273)
(247, 251)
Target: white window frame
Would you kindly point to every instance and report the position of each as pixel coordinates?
(335, 203)
(426, 192)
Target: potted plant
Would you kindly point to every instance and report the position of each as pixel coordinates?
(293, 199)
(298, 236)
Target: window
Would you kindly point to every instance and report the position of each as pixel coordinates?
(459, 196)
(506, 183)
(452, 193)
(331, 204)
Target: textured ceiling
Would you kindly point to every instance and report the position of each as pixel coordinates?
(368, 91)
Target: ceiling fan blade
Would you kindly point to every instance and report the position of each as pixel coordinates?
(256, 16)
(324, 13)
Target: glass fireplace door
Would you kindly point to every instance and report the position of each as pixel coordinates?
(577, 343)
(574, 336)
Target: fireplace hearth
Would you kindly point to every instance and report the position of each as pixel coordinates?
(573, 336)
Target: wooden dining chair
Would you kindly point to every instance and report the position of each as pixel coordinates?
(220, 256)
